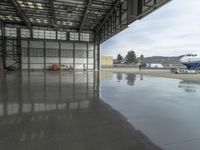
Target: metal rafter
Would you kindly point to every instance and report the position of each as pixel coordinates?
(21, 13)
(117, 2)
(85, 15)
(52, 11)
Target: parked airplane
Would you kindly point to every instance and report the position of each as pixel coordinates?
(191, 61)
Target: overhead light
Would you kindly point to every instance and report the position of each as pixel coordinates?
(17, 18)
(30, 4)
(70, 23)
(21, 3)
(10, 18)
(45, 21)
(38, 20)
(2, 17)
(31, 19)
(39, 5)
(64, 23)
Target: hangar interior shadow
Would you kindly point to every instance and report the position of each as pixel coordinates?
(48, 110)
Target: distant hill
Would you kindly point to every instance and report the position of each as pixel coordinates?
(166, 61)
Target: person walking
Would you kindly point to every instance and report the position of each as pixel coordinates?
(140, 67)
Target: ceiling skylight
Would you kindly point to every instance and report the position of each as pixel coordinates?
(10, 18)
(30, 4)
(39, 5)
(21, 3)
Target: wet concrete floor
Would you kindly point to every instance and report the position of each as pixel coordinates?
(92, 111)
(165, 110)
(62, 111)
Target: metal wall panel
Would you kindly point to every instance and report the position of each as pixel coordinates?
(81, 46)
(42, 54)
(52, 60)
(24, 43)
(36, 60)
(66, 60)
(36, 44)
(66, 45)
(54, 45)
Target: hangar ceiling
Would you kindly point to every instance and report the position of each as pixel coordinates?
(102, 17)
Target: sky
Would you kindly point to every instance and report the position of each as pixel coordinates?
(172, 30)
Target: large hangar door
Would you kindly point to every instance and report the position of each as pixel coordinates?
(134, 9)
(140, 8)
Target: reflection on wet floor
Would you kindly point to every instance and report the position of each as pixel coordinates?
(62, 111)
(190, 86)
(38, 92)
(165, 110)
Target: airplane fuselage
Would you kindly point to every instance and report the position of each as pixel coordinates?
(191, 61)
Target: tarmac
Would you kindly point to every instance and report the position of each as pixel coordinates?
(155, 72)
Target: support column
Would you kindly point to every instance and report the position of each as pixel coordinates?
(98, 57)
(94, 57)
(87, 55)
(3, 45)
(19, 49)
(97, 62)
(74, 55)
(96, 84)
(44, 55)
(31, 32)
(59, 53)
(28, 54)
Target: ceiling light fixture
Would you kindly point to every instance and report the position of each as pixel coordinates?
(39, 5)
(10, 18)
(38, 20)
(30, 4)
(45, 21)
(2, 17)
(17, 18)
(31, 19)
(21, 3)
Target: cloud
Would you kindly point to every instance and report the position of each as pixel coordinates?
(172, 30)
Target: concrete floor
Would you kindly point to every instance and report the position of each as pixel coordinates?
(62, 111)
(165, 110)
(155, 72)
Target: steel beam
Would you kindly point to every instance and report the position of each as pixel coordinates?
(117, 2)
(53, 14)
(21, 13)
(155, 6)
(28, 54)
(85, 15)
(4, 52)
(19, 49)
(44, 53)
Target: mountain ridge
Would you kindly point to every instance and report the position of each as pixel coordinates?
(165, 60)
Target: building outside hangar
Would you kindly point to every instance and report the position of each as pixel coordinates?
(38, 33)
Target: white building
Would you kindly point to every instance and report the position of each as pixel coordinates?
(154, 65)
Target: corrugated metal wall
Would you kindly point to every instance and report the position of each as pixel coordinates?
(41, 54)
